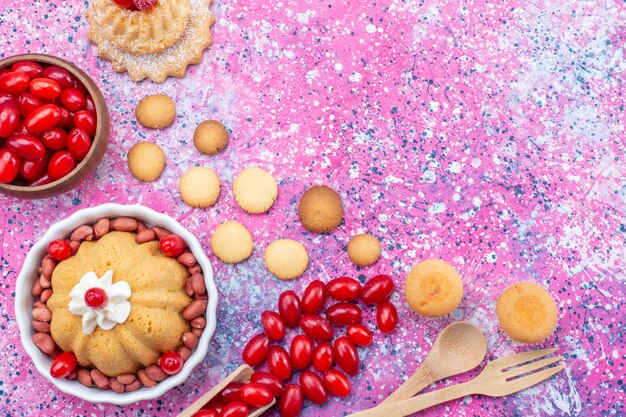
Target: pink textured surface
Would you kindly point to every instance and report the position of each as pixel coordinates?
(487, 134)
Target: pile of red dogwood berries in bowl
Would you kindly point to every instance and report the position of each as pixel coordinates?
(47, 123)
(313, 348)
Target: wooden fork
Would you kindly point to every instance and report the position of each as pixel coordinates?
(495, 381)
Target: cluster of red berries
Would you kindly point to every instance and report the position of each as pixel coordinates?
(47, 123)
(311, 348)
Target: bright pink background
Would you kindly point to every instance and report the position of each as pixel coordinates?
(487, 134)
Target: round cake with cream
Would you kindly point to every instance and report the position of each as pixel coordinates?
(118, 305)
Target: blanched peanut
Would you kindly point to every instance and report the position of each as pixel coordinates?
(145, 380)
(47, 266)
(195, 309)
(75, 244)
(195, 269)
(188, 287)
(82, 232)
(184, 352)
(124, 224)
(160, 232)
(45, 281)
(190, 340)
(42, 314)
(197, 283)
(144, 236)
(44, 342)
(116, 386)
(100, 379)
(45, 295)
(187, 259)
(84, 376)
(155, 373)
(36, 289)
(198, 323)
(141, 226)
(133, 386)
(126, 379)
(41, 326)
(101, 227)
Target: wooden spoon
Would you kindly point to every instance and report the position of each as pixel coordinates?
(241, 374)
(460, 347)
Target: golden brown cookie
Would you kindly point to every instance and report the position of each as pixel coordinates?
(156, 111)
(199, 187)
(363, 250)
(320, 209)
(433, 288)
(171, 61)
(255, 190)
(286, 258)
(210, 137)
(146, 161)
(231, 242)
(527, 312)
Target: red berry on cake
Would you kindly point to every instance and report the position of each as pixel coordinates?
(144, 4)
(59, 249)
(171, 363)
(96, 297)
(172, 245)
(63, 365)
(127, 4)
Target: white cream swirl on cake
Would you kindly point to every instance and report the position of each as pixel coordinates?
(109, 302)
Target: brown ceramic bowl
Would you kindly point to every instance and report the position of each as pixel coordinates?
(100, 140)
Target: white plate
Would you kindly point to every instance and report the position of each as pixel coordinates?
(24, 301)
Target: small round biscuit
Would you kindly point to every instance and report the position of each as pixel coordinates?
(255, 190)
(363, 250)
(210, 137)
(146, 161)
(433, 288)
(231, 242)
(199, 187)
(320, 209)
(286, 258)
(156, 112)
(527, 312)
